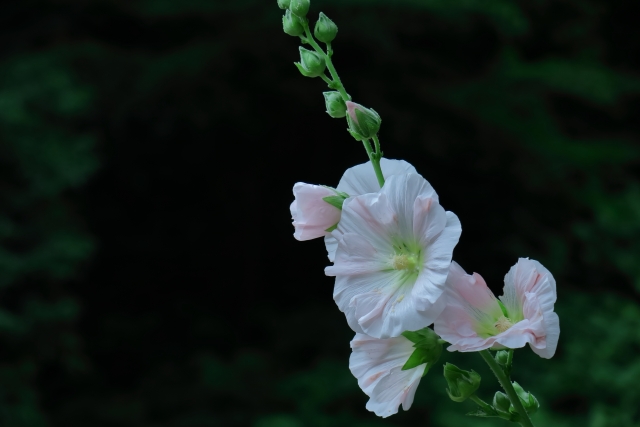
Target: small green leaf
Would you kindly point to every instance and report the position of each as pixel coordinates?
(417, 358)
(336, 201)
(330, 229)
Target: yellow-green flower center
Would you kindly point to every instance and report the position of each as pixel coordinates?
(404, 262)
(503, 323)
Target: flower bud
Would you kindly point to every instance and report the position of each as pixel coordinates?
(502, 357)
(501, 403)
(291, 24)
(326, 30)
(300, 7)
(311, 64)
(462, 384)
(364, 122)
(530, 403)
(284, 4)
(336, 107)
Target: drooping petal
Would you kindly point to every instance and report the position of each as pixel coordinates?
(377, 365)
(311, 215)
(528, 276)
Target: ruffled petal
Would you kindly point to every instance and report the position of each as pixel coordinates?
(377, 365)
(311, 215)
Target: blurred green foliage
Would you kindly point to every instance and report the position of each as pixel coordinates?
(522, 114)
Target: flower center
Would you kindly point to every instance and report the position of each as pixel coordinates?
(404, 262)
(503, 324)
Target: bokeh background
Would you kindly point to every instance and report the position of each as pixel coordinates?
(148, 273)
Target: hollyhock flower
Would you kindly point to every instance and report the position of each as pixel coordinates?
(393, 257)
(377, 365)
(312, 216)
(361, 179)
(475, 320)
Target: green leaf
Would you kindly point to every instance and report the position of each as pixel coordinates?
(417, 358)
(336, 201)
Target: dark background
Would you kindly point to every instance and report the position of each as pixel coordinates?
(148, 273)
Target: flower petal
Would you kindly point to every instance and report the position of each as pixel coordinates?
(311, 215)
(361, 179)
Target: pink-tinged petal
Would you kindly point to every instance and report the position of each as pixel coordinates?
(429, 219)
(311, 215)
(528, 276)
(377, 365)
(402, 191)
(473, 290)
(546, 347)
(441, 247)
(354, 256)
(361, 179)
(370, 216)
(351, 110)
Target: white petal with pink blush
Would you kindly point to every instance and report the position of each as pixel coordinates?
(361, 179)
(474, 319)
(393, 256)
(377, 365)
(312, 216)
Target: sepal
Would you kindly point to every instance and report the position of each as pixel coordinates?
(311, 64)
(284, 4)
(325, 29)
(364, 122)
(291, 24)
(528, 400)
(462, 384)
(336, 106)
(300, 7)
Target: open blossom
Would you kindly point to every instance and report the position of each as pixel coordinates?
(475, 320)
(377, 365)
(312, 216)
(361, 179)
(393, 256)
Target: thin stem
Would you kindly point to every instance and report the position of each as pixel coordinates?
(376, 161)
(484, 405)
(327, 59)
(326, 79)
(505, 382)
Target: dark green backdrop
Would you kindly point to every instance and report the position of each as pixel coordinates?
(148, 273)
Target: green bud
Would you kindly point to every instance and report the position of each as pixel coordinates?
(528, 400)
(300, 7)
(427, 349)
(501, 403)
(462, 384)
(284, 4)
(336, 107)
(311, 64)
(502, 357)
(291, 24)
(326, 30)
(363, 122)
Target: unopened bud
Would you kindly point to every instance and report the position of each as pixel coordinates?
(291, 24)
(311, 63)
(284, 4)
(325, 30)
(336, 107)
(528, 400)
(364, 122)
(300, 7)
(502, 357)
(501, 403)
(462, 384)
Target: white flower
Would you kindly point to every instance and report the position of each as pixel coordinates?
(393, 257)
(311, 215)
(377, 365)
(361, 179)
(474, 320)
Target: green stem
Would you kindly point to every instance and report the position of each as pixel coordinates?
(505, 382)
(376, 161)
(484, 405)
(327, 59)
(326, 79)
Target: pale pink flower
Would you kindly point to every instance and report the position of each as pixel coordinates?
(361, 179)
(475, 320)
(393, 257)
(377, 365)
(311, 215)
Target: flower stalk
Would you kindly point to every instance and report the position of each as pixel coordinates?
(505, 382)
